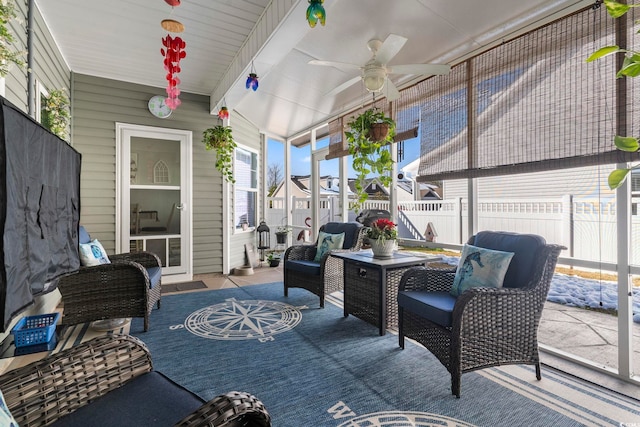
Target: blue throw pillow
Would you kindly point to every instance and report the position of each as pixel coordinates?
(328, 242)
(6, 419)
(93, 254)
(480, 267)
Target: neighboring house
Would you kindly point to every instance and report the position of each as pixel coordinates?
(330, 186)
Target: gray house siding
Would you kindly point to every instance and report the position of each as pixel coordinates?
(48, 67)
(97, 105)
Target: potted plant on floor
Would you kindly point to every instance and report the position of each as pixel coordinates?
(274, 259)
(368, 136)
(220, 139)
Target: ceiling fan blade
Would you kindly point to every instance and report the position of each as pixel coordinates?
(390, 48)
(340, 65)
(343, 86)
(391, 90)
(429, 69)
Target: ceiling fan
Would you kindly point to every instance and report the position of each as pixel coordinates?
(375, 72)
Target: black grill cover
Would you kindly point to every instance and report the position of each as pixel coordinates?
(367, 216)
(39, 210)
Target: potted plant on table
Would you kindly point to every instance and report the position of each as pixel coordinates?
(220, 139)
(382, 235)
(368, 136)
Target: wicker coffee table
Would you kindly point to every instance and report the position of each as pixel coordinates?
(371, 285)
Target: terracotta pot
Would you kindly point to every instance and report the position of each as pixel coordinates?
(378, 131)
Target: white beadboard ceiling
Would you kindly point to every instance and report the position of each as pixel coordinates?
(121, 40)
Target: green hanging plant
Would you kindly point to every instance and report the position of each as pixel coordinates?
(7, 56)
(630, 68)
(220, 139)
(368, 148)
(55, 113)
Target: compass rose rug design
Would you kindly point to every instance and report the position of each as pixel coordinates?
(314, 367)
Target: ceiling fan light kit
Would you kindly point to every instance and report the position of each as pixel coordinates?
(375, 73)
(374, 77)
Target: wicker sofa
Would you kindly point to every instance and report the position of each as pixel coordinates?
(110, 381)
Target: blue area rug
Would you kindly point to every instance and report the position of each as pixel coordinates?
(314, 367)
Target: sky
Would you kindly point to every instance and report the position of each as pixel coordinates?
(301, 157)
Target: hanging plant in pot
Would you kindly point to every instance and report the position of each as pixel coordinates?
(220, 139)
(368, 142)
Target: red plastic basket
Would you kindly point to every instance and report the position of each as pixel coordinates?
(32, 330)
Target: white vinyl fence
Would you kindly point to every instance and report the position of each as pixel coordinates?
(586, 226)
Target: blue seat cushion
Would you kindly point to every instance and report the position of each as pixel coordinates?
(308, 267)
(151, 399)
(436, 307)
(155, 274)
(350, 230)
(524, 247)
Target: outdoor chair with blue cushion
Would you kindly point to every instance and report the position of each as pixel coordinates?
(312, 268)
(486, 311)
(110, 287)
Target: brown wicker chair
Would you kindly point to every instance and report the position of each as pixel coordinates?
(482, 327)
(127, 287)
(81, 384)
(326, 276)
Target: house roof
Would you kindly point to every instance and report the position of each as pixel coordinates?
(225, 40)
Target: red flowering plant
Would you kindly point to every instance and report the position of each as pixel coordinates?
(382, 230)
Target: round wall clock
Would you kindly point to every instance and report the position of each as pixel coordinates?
(158, 108)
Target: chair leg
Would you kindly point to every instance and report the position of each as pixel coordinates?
(400, 331)
(321, 301)
(146, 322)
(538, 373)
(286, 291)
(158, 304)
(455, 385)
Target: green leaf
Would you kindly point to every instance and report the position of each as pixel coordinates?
(602, 52)
(617, 177)
(630, 67)
(615, 9)
(626, 143)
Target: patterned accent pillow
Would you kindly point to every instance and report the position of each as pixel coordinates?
(6, 419)
(93, 254)
(480, 267)
(328, 242)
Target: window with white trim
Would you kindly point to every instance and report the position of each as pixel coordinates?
(246, 188)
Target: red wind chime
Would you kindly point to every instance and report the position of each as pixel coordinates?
(173, 51)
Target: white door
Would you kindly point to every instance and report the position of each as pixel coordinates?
(155, 196)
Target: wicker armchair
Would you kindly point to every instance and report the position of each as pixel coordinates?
(127, 287)
(110, 381)
(326, 276)
(482, 327)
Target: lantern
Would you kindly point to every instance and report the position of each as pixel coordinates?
(264, 237)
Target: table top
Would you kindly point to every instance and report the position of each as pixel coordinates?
(398, 259)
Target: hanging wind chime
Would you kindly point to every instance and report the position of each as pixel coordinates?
(315, 13)
(252, 79)
(173, 51)
(224, 112)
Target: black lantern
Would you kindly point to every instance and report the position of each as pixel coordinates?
(264, 237)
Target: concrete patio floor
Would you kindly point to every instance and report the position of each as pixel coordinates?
(588, 334)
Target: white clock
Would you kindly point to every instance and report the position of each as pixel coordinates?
(158, 108)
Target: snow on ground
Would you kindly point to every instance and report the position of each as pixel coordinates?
(579, 292)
